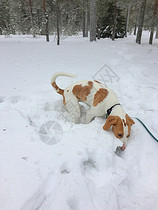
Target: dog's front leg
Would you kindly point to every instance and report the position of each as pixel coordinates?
(90, 115)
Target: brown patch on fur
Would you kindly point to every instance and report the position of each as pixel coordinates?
(82, 92)
(117, 126)
(97, 81)
(60, 91)
(129, 122)
(99, 96)
(90, 83)
(76, 90)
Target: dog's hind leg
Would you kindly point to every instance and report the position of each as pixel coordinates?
(73, 108)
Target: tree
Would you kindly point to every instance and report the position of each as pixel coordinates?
(111, 22)
(85, 18)
(46, 20)
(57, 21)
(127, 17)
(140, 21)
(156, 36)
(115, 21)
(153, 24)
(136, 22)
(93, 20)
(4, 16)
(32, 21)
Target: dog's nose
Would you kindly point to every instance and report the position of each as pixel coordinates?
(123, 147)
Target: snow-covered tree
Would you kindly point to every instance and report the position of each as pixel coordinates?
(112, 22)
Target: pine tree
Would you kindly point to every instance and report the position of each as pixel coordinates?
(110, 19)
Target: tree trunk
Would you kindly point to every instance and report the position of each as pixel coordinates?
(127, 18)
(85, 18)
(115, 20)
(31, 15)
(135, 26)
(135, 29)
(93, 20)
(136, 23)
(140, 21)
(57, 18)
(156, 37)
(46, 20)
(153, 22)
(98, 33)
(151, 36)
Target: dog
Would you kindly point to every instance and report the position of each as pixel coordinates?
(101, 101)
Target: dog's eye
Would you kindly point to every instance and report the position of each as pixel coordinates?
(119, 134)
(127, 136)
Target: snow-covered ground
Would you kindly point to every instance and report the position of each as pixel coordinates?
(49, 163)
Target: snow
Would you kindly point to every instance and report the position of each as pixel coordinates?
(47, 162)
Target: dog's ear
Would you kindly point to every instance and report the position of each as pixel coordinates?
(129, 121)
(111, 120)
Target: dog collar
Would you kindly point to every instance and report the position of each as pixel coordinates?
(110, 110)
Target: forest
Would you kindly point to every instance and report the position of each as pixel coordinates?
(102, 18)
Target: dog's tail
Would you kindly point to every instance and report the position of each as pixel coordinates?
(53, 81)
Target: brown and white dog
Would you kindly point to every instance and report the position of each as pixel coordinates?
(101, 100)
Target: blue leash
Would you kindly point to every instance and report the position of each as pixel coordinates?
(147, 129)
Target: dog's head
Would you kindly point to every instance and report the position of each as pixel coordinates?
(120, 127)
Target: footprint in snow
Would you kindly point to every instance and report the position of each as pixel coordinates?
(14, 99)
(64, 169)
(89, 165)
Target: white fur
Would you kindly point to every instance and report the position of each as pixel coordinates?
(61, 74)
